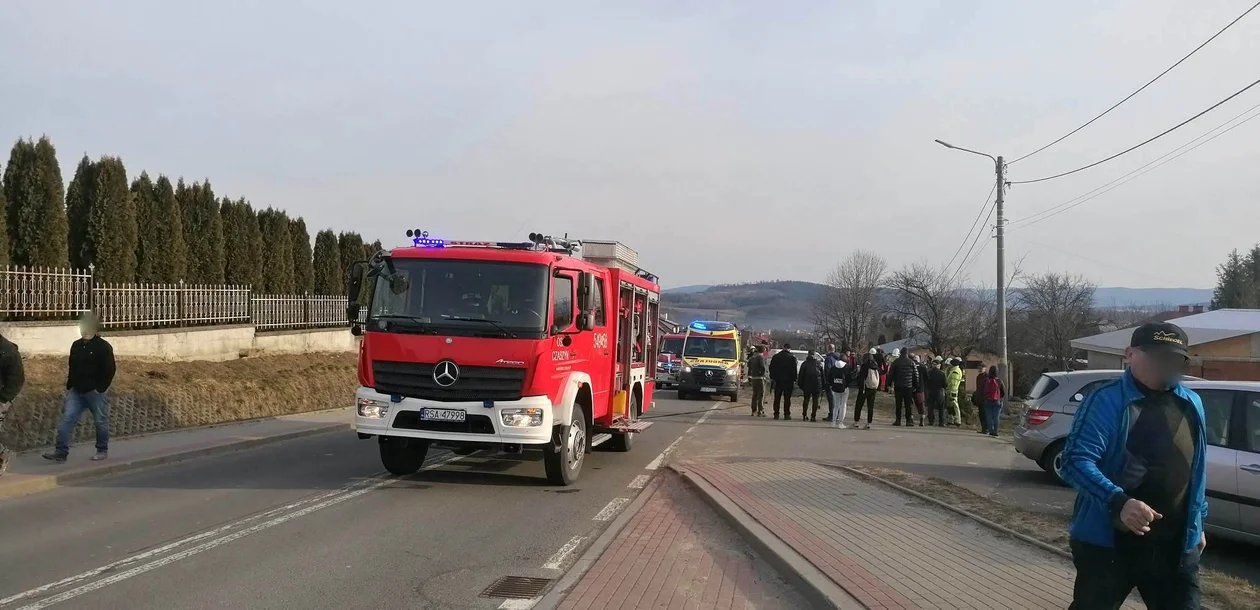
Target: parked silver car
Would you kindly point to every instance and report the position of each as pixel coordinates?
(1232, 409)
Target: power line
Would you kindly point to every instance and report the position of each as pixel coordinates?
(1079, 200)
(1139, 90)
(973, 245)
(992, 189)
(1137, 146)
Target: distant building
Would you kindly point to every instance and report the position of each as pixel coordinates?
(1180, 312)
(1224, 344)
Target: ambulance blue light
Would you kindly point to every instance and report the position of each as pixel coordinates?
(699, 326)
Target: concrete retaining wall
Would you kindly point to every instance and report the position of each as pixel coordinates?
(208, 343)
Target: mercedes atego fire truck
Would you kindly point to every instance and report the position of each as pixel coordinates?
(501, 346)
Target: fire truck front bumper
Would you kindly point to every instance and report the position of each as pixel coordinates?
(527, 421)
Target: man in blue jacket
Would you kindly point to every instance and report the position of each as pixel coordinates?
(1136, 456)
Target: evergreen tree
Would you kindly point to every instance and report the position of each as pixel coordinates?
(147, 252)
(1252, 264)
(351, 247)
(165, 234)
(253, 242)
(203, 232)
(303, 266)
(4, 231)
(329, 274)
(79, 198)
(234, 256)
(1233, 284)
(112, 224)
(277, 259)
(35, 205)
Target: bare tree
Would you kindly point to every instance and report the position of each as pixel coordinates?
(1055, 308)
(849, 307)
(941, 313)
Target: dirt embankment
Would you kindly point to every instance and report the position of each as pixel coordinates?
(153, 397)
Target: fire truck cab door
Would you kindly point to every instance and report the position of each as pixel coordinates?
(570, 349)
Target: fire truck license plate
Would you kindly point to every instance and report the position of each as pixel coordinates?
(442, 414)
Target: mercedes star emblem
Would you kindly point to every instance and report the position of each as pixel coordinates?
(446, 373)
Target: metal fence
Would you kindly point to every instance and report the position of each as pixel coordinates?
(281, 311)
(37, 293)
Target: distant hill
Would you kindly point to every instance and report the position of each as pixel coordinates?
(782, 304)
(1131, 297)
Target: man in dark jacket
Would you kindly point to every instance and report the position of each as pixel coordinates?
(810, 380)
(757, 379)
(783, 374)
(905, 379)
(12, 377)
(90, 373)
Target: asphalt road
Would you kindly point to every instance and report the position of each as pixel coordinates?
(315, 523)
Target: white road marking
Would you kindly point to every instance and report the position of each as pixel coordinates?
(557, 560)
(518, 604)
(609, 511)
(639, 482)
(660, 459)
(324, 501)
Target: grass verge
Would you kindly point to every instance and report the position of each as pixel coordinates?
(1221, 590)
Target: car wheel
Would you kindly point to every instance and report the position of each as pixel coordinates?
(1052, 460)
(563, 467)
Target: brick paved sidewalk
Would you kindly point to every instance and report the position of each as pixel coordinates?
(678, 554)
(886, 549)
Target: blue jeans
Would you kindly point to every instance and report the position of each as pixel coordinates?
(992, 409)
(73, 406)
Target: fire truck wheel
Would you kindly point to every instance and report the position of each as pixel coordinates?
(403, 456)
(565, 466)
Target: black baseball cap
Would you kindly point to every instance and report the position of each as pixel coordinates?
(1160, 337)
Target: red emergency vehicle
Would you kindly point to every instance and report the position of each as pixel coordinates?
(501, 346)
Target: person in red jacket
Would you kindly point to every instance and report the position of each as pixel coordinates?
(993, 393)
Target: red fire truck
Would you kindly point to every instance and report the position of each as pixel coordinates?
(501, 346)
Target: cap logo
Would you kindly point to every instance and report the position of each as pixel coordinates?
(1167, 337)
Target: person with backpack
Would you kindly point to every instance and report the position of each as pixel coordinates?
(832, 359)
(838, 379)
(783, 376)
(993, 395)
(757, 379)
(920, 390)
(934, 389)
(869, 377)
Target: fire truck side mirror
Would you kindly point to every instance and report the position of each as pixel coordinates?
(586, 321)
(354, 281)
(585, 288)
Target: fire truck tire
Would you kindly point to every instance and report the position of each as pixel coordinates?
(403, 456)
(563, 467)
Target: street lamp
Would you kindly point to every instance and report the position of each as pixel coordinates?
(1000, 189)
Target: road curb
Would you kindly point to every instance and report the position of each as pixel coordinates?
(564, 585)
(1045, 546)
(16, 486)
(814, 584)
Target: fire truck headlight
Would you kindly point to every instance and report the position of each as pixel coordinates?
(375, 409)
(522, 418)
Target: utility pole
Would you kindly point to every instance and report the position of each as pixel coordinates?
(1004, 364)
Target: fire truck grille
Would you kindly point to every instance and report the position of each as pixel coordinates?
(415, 380)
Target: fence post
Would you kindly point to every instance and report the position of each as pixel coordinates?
(249, 305)
(91, 293)
(306, 308)
(179, 304)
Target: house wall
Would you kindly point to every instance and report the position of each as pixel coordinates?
(1226, 370)
(1233, 347)
(1103, 360)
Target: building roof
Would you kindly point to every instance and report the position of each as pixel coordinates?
(1200, 328)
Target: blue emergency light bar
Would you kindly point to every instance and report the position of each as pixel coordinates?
(716, 326)
(421, 239)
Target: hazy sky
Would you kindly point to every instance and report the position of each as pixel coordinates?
(725, 141)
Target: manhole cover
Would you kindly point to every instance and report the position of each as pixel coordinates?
(516, 587)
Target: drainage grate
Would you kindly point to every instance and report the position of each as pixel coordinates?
(516, 587)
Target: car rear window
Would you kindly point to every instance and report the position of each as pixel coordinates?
(1045, 385)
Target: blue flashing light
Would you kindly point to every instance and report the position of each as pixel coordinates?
(489, 404)
(699, 326)
(421, 239)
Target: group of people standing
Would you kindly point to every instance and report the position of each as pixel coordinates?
(918, 385)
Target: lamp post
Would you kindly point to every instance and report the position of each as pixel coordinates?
(999, 168)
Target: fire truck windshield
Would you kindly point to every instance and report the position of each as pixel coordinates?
(671, 345)
(710, 347)
(464, 295)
